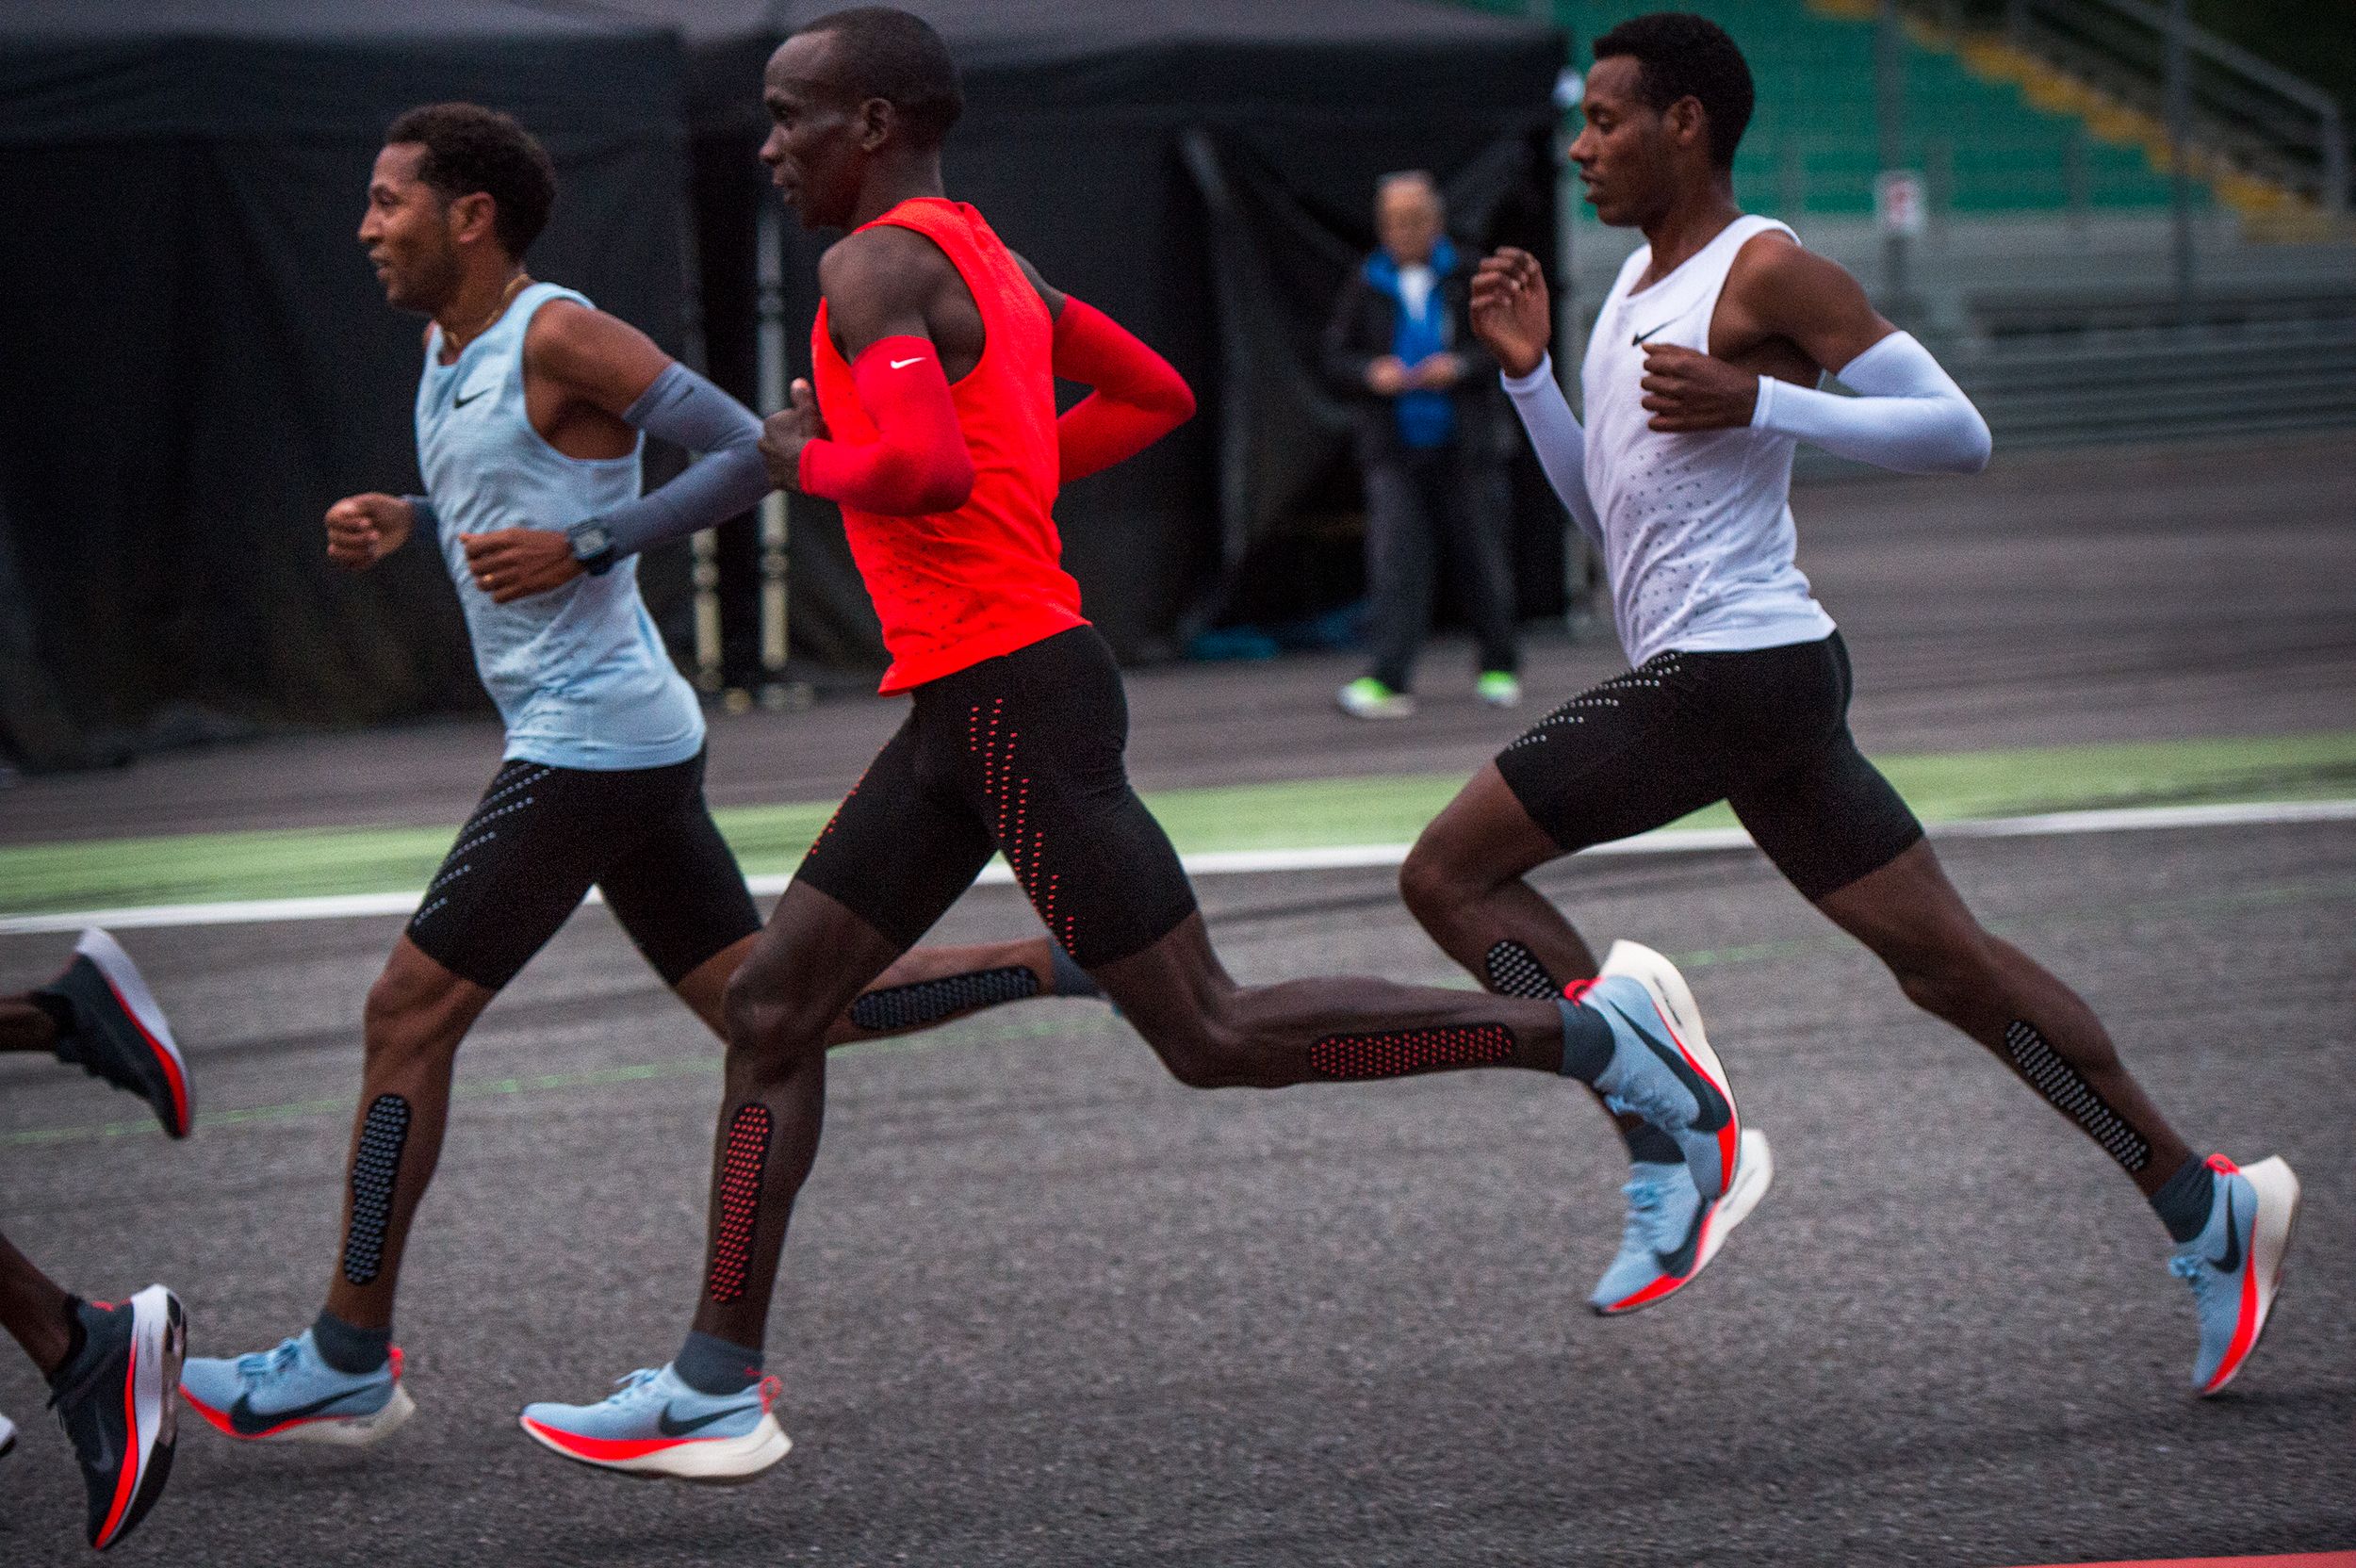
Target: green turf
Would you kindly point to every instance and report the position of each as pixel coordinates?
(193, 868)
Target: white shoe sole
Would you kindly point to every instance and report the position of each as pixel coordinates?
(130, 987)
(2269, 1242)
(160, 1341)
(1754, 1173)
(713, 1461)
(1675, 1002)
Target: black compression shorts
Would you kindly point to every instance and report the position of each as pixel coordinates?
(542, 836)
(1021, 753)
(1766, 731)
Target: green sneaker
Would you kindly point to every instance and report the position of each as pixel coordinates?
(1500, 688)
(1368, 699)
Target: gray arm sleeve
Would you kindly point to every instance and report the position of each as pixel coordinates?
(684, 409)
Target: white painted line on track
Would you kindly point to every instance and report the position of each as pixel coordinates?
(1230, 861)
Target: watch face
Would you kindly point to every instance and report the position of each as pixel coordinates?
(590, 541)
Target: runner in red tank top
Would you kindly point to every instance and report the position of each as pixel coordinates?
(934, 426)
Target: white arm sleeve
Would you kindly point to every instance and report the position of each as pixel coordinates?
(1908, 415)
(1561, 445)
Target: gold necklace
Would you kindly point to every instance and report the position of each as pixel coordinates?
(515, 286)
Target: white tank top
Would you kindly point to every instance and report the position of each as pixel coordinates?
(1697, 531)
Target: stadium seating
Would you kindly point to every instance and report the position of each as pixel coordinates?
(1813, 148)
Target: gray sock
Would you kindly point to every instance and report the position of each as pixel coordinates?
(1071, 979)
(715, 1367)
(2185, 1201)
(1586, 1041)
(348, 1348)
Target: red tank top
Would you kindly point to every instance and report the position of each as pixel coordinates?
(959, 587)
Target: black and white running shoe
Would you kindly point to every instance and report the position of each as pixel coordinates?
(119, 1034)
(117, 1401)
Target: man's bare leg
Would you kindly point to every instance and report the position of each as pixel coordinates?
(1915, 922)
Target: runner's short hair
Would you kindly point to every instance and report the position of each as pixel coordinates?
(1684, 55)
(897, 57)
(470, 149)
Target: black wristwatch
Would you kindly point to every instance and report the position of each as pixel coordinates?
(593, 546)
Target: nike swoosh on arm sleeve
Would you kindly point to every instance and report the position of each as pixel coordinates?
(917, 464)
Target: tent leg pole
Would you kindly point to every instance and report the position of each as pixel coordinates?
(775, 517)
(778, 692)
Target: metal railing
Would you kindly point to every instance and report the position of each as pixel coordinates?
(2259, 116)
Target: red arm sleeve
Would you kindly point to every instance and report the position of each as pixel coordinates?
(917, 463)
(1139, 398)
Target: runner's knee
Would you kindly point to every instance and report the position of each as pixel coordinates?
(404, 1020)
(1944, 978)
(1205, 1049)
(770, 1034)
(1433, 888)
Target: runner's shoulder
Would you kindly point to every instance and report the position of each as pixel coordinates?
(885, 262)
(1774, 261)
(581, 346)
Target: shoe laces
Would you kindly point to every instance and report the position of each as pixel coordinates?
(627, 1386)
(1648, 1214)
(2196, 1271)
(270, 1363)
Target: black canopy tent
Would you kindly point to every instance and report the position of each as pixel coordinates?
(1204, 172)
(199, 359)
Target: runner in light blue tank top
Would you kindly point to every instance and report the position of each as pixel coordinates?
(578, 673)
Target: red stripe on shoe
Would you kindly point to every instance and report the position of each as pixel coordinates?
(163, 1053)
(207, 1412)
(2246, 1325)
(126, 1480)
(608, 1450)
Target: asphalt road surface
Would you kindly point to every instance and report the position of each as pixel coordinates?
(1044, 1306)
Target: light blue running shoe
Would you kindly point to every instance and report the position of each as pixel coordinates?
(2234, 1266)
(653, 1424)
(1672, 1233)
(290, 1395)
(1661, 1067)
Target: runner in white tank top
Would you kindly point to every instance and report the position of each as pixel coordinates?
(1700, 376)
(1698, 529)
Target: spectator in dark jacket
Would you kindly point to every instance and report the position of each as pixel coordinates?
(1433, 442)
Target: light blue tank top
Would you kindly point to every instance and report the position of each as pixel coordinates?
(579, 674)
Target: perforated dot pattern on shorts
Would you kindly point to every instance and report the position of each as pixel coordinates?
(1651, 676)
(1394, 1052)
